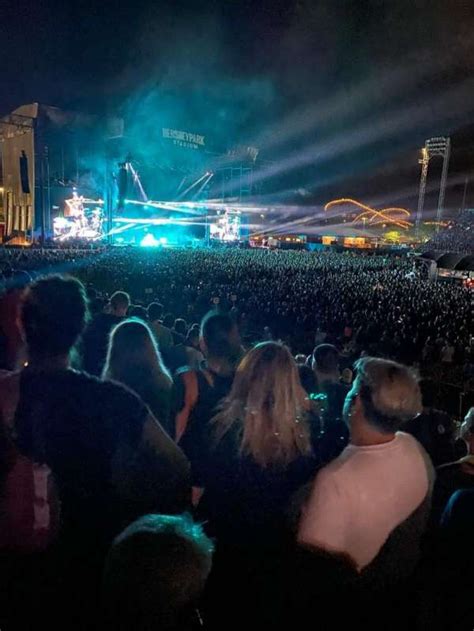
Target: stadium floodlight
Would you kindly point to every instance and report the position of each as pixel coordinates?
(434, 147)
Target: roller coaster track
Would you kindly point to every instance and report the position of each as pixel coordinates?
(392, 215)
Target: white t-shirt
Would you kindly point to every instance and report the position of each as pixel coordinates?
(362, 496)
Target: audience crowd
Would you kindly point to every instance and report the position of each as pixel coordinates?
(457, 236)
(363, 303)
(231, 438)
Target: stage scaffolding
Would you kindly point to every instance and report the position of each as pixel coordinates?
(236, 183)
(18, 190)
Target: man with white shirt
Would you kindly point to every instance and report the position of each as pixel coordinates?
(382, 481)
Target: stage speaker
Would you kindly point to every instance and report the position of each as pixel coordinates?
(25, 183)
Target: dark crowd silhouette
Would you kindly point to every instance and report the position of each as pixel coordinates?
(234, 438)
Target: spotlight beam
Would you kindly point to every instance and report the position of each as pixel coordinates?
(137, 181)
(195, 183)
(205, 183)
(388, 125)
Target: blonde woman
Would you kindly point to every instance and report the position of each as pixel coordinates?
(133, 359)
(261, 451)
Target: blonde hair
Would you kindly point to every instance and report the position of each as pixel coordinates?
(133, 356)
(268, 405)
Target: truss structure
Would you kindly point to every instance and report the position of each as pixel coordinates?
(15, 125)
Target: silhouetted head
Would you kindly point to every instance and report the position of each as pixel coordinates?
(180, 326)
(137, 311)
(53, 315)
(326, 358)
(119, 303)
(155, 574)
(220, 337)
(133, 357)
(155, 311)
(168, 320)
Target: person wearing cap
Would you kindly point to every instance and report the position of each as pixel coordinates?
(455, 475)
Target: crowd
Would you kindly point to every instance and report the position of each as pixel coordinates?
(457, 236)
(378, 305)
(222, 439)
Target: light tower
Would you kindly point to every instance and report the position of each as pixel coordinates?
(434, 147)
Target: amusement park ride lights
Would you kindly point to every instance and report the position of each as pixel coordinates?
(373, 217)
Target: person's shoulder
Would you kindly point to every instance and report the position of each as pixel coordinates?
(99, 317)
(97, 321)
(162, 330)
(81, 381)
(105, 319)
(408, 441)
(106, 393)
(185, 379)
(336, 479)
(337, 467)
(414, 451)
(110, 319)
(183, 373)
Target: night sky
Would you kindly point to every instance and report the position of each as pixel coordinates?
(340, 93)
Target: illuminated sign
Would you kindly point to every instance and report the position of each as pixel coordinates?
(184, 138)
